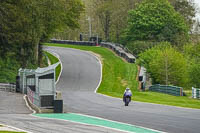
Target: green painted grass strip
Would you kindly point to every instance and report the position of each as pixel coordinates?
(97, 122)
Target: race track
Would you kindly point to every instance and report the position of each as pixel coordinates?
(79, 79)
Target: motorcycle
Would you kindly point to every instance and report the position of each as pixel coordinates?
(127, 100)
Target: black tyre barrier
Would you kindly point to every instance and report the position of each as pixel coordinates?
(120, 51)
(84, 43)
(58, 106)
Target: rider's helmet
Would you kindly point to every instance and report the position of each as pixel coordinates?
(127, 89)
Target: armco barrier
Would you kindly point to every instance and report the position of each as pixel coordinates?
(171, 90)
(195, 93)
(7, 87)
(117, 48)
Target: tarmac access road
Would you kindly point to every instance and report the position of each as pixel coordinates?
(15, 113)
(79, 79)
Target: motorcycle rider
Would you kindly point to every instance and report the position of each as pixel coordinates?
(127, 93)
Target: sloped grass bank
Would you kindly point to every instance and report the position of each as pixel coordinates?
(54, 60)
(117, 75)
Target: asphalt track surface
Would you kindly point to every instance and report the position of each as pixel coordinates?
(79, 79)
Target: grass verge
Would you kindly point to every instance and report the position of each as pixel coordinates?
(54, 60)
(117, 75)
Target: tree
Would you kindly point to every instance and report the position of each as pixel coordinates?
(104, 14)
(165, 65)
(194, 72)
(108, 18)
(187, 9)
(191, 53)
(25, 24)
(170, 68)
(156, 20)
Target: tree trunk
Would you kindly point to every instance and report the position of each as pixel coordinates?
(107, 26)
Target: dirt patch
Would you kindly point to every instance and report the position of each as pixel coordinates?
(123, 82)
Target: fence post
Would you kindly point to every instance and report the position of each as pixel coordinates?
(194, 92)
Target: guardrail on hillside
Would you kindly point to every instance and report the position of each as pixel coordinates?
(167, 89)
(119, 49)
(195, 93)
(7, 87)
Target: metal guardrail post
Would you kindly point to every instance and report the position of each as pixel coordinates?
(195, 93)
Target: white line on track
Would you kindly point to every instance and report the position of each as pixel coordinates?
(15, 128)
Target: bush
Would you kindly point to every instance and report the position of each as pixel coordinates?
(138, 47)
(191, 53)
(156, 20)
(166, 65)
(8, 69)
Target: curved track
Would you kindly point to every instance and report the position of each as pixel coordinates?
(79, 79)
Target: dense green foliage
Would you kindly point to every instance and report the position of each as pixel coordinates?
(156, 21)
(25, 24)
(137, 47)
(8, 69)
(187, 9)
(191, 53)
(166, 65)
